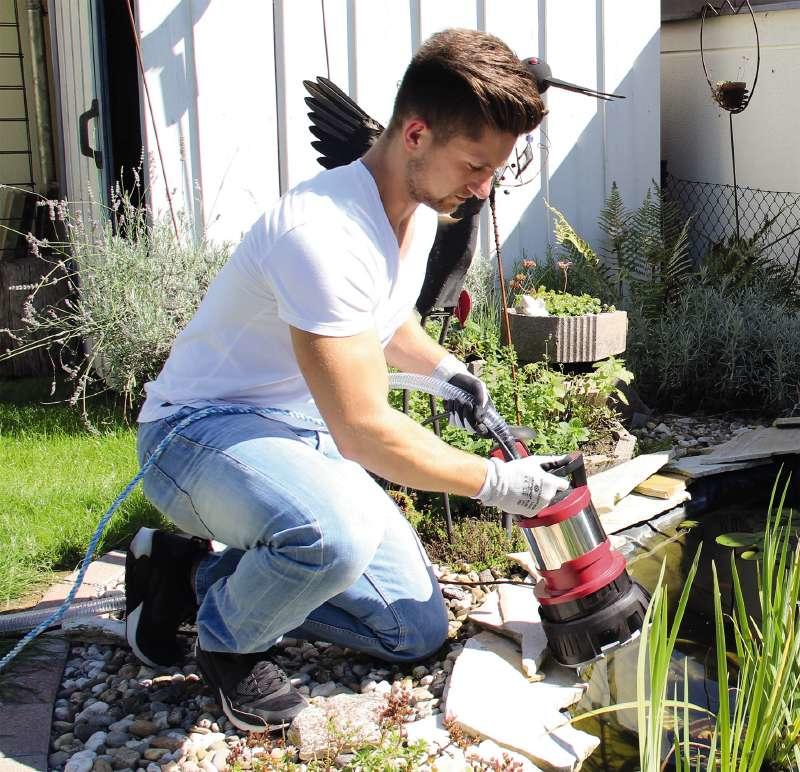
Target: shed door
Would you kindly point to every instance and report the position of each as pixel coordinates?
(78, 37)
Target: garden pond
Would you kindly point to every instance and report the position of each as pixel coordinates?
(729, 506)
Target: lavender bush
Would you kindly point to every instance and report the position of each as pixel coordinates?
(134, 283)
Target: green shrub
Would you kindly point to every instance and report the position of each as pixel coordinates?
(564, 409)
(565, 303)
(136, 283)
(480, 542)
(720, 349)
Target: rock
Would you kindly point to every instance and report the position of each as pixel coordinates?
(431, 730)
(94, 709)
(202, 742)
(324, 690)
(63, 741)
(101, 765)
(57, 759)
(142, 728)
(125, 757)
(512, 611)
(82, 761)
(154, 754)
(116, 739)
(346, 723)
(170, 743)
(490, 697)
(95, 741)
(420, 694)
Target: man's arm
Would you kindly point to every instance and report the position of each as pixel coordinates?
(412, 350)
(348, 379)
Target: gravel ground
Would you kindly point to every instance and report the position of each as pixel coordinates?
(113, 713)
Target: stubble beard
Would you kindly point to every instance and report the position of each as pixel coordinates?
(417, 192)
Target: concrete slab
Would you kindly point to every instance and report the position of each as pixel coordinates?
(695, 467)
(490, 697)
(792, 422)
(609, 487)
(28, 687)
(103, 575)
(525, 559)
(757, 444)
(513, 611)
(635, 509)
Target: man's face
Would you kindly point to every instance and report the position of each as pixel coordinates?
(444, 175)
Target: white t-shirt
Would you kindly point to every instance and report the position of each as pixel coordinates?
(325, 260)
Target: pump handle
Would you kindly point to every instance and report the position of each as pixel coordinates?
(572, 468)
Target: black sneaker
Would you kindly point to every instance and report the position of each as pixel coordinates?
(254, 693)
(159, 597)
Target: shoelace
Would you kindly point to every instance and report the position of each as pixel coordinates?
(264, 678)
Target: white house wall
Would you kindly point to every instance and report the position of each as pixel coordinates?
(225, 81)
(695, 130)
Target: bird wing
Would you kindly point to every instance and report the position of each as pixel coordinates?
(342, 129)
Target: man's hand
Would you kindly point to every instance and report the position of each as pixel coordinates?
(521, 487)
(461, 414)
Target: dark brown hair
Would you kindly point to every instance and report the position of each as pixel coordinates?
(461, 82)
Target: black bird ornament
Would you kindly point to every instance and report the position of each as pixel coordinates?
(343, 132)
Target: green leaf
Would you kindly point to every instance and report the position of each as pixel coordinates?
(738, 539)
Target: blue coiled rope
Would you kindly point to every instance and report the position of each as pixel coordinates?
(101, 526)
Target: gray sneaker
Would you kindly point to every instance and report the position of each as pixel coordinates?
(254, 693)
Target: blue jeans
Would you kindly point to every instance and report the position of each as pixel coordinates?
(315, 548)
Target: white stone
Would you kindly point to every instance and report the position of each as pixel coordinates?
(612, 485)
(431, 730)
(201, 742)
(324, 690)
(524, 559)
(82, 761)
(513, 611)
(345, 722)
(490, 697)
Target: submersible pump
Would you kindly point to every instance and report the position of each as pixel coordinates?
(588, 603)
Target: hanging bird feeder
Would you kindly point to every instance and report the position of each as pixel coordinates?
(734, 96)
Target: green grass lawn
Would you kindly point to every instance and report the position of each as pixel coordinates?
(57, 479)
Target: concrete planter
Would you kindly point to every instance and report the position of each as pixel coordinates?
(569, 338)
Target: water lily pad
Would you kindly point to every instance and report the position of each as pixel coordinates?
(738, 539)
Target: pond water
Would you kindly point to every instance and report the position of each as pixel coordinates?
(723, 504)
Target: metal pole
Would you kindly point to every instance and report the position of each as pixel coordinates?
(735, 189)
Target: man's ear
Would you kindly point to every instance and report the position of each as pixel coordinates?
(416, 134)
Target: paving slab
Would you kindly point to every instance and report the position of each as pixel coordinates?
(609, 487)
(490, 697)
(514, 612)
(29, 685)
(757, 444)
(635, 508)
(103, 576)
(696, 467)
(28, 689)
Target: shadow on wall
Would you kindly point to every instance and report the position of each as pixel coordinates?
(578, 186)
(179, 87)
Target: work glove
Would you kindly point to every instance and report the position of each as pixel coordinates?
(460, 414)
(521, 487)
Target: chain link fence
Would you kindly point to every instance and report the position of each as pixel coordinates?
(713, 211)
